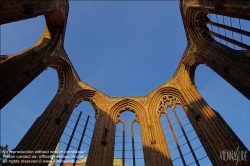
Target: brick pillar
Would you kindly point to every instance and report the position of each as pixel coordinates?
(152, 155)
(102, 145)
(214, 134)
(162, 153)
(46, 131)
(18, 72)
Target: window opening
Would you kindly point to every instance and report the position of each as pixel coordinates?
(20, 113)
(12, 34)
(128, 144)
(235, 36)
(183, 142)
(76, 139)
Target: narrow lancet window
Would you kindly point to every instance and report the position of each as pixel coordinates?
(128, 142)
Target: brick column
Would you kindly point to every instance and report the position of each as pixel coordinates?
(102, 145)
(214, 134)
(47, 129)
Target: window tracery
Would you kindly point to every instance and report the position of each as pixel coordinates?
(182, 140)
(128, 143)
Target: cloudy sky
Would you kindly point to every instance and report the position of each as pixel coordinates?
(123, 48)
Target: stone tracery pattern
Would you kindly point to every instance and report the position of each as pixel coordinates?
(49, 51)
(201, 24)
(167, 107)
(167, 101)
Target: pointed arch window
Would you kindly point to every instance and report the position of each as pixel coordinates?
(228, 30)
(128, 143)
(76, 139)
(183, 143)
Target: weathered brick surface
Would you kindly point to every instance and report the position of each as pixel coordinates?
(19, 70)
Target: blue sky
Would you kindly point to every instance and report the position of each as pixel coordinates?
(121, 48)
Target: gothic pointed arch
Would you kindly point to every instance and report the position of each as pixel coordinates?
(127, 104)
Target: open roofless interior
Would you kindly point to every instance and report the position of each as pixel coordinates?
(92, 51)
